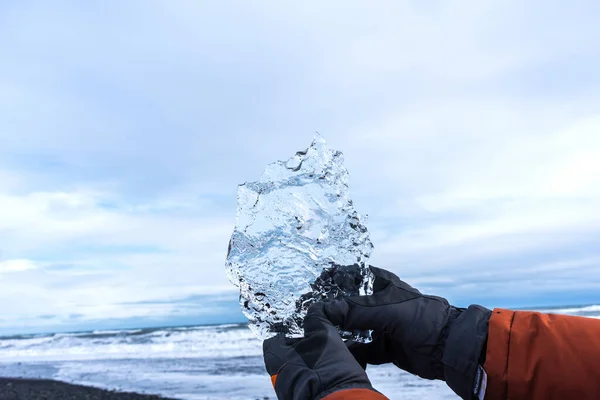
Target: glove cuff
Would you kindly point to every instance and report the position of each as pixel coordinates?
(464, 346)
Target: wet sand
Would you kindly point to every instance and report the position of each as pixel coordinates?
(34, 389)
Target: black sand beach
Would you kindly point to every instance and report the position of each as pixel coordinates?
(34, 389)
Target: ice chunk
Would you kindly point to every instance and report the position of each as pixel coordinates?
(298, 239)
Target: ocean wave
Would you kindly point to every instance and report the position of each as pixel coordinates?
(221, 341)
(199, 342)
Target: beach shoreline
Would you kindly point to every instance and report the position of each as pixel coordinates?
(33, 389)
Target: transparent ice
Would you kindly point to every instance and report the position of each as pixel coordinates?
(298, 240)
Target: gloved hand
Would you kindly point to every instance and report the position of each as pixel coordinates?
(421, 334)
(317, 365)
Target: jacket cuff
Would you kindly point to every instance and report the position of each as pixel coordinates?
(356, 394)
(496, 365)
(463, 349)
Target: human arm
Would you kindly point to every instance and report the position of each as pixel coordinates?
(525, 355)
(542, 356)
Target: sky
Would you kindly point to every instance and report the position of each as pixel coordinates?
(471, 131)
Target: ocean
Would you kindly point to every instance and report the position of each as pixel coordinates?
(203, 362)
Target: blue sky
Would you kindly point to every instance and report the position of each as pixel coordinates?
(471, 132)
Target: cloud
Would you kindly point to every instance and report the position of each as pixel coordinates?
(470, 132)
(16, 265)
(89, 258)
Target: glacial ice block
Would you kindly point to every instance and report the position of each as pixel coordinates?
(297, 240)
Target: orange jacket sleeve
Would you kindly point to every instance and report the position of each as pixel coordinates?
(542, 356)
(356, 394)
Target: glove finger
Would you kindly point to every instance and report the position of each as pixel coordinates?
(275, 350)
(385, 278)
(365, 312)
(276, 341)
(376, 353)
(351, 317)
(357, 350)
(316, 320)
(387, 289)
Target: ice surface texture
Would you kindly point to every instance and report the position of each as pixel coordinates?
(298, 239)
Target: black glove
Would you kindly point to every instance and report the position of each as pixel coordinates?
(421, 334)
(314, 366)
